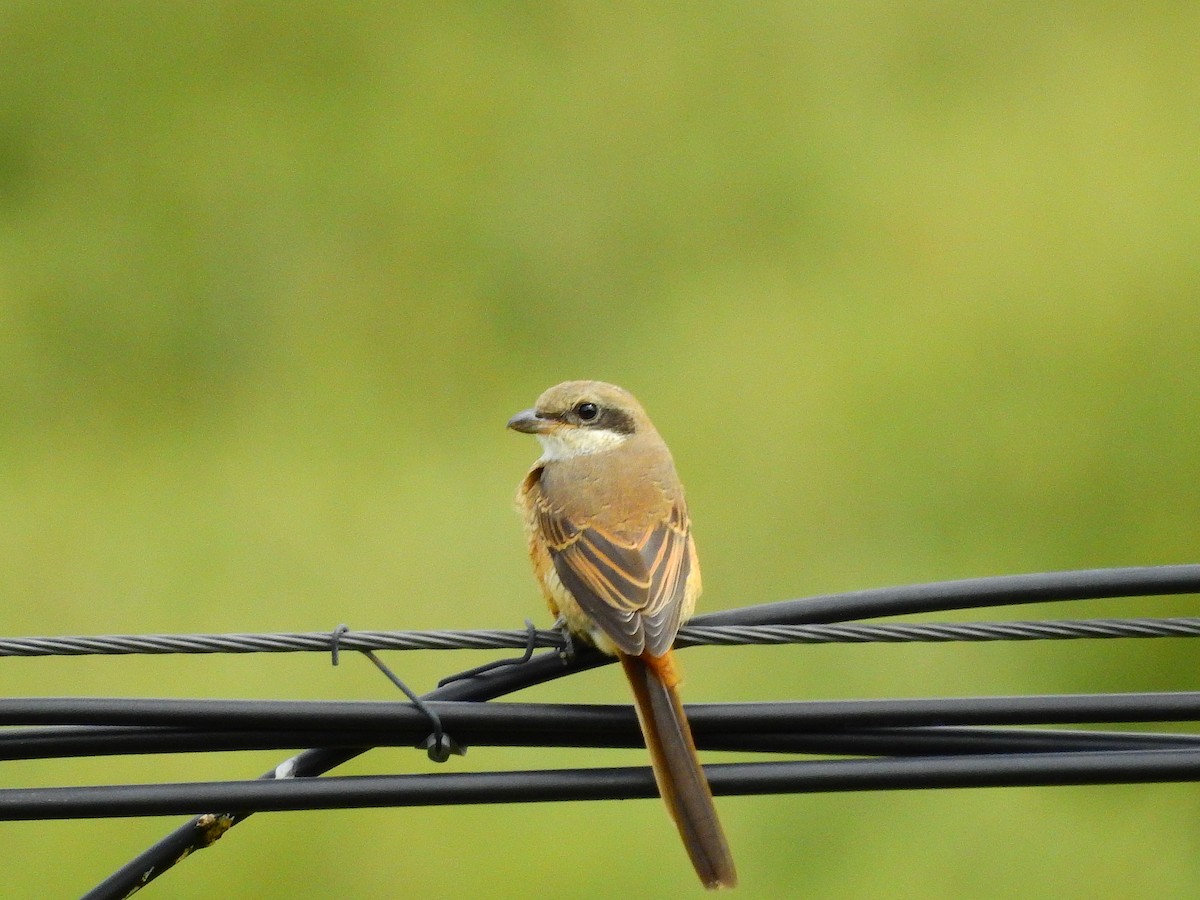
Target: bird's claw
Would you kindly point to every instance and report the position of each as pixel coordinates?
(566, 651)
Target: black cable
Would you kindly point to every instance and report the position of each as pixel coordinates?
(970, 593)
(484, 724)
(90, 741)
(1012, 770)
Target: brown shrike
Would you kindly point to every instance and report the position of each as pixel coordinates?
(611, 545)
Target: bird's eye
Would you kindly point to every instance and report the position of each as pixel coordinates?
(587, 412)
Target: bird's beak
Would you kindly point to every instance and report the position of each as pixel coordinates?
(527, 421)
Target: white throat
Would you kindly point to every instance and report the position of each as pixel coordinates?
(571, 442)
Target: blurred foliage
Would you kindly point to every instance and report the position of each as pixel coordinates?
(911, 288)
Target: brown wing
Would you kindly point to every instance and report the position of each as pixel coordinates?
(633, 587)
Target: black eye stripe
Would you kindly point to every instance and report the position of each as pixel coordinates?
(615, 420)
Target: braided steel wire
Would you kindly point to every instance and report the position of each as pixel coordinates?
(689, 636)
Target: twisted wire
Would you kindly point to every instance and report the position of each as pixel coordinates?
(689, 636)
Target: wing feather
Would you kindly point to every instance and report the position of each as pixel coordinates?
(633, 587)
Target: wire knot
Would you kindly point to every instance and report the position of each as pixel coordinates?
(335, 641)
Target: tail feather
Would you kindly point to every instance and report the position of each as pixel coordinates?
(677, 769)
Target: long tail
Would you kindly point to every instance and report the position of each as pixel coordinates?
(677, 770)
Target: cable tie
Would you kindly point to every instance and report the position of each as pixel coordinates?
(438, 745)
(530, 646)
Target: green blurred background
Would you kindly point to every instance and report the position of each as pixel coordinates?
(910, 288)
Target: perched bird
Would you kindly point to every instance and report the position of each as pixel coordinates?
(612, 548)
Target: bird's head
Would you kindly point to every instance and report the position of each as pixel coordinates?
(577, 418)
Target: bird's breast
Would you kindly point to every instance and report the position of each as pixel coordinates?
(621, 492)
